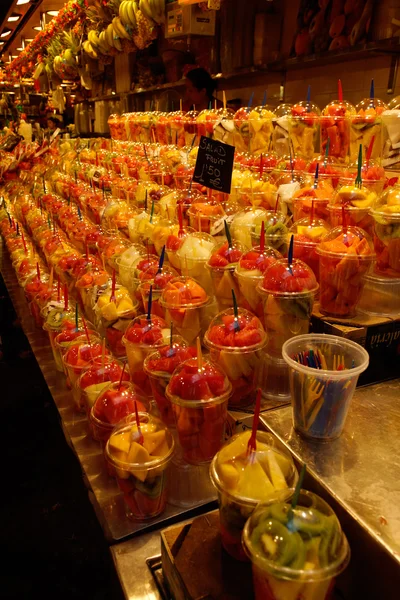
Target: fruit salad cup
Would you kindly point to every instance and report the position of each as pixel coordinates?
(68, 336)
(78, 356)
(335, 126)
(346, 254)
(205, 123)
(308, 199)
(307, 235)
(280, 132)
(297, 562)
(88, 287)
(244, 479)
(140, 457)
(303, 129)
(100, 372)
(288, 295)
(160, 366)
(188, 307)
(189, 125)
(207, 216)
(32, 287)
(222, 264)
(276, 231)
(143, 337)
(260, 129)
(224, 126)
(113, 315)
(357, 201)
(249, 274)
(192, 256)
(236, 345)
(156, 279)
(199, 397)
(364, 125)
(259, 192)
(56, 318)
(245, 223)
(126, 264)
(372, 174)
(386, 215)
(115, 402)
(391, 136)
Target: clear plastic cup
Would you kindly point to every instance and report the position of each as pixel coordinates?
(243, 480)
(391, 136)
(79, 355)
(142, 337)
(141, 470)
(308, 233)
(304, 129)
(380, 296)
(221, 265)
(288, 295)
(245, 223)
(321, 396)
(112, 405)
(275, 379)
(236, 345)
(199, 398)
(193, 255)
(335, 126)
(114, 316)
(65, 338)
(260, 129)
(311, 549)
(386, 215)
(188, 307)
(159, 367)
(345, 255)
(100, 372)
(367, 123)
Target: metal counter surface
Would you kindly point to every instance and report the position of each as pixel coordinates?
(361, 469)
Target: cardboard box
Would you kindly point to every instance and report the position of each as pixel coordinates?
(380, 336)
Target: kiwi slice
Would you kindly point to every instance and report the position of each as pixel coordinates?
(279, 512)
(276, 542)
(308, 521)
(330, 539)
(151, 487)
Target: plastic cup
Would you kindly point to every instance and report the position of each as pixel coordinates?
(159, 367)
(391, 138)
(100, 372)
(287, 313)
(199, 398)
(367, 123)
(298, 579)
(260, 129)
(188, 307)
(141, 339)
(303, 130)
(337, 129)
(321, 397)
(222, 265)
(302, 208)
(275, 379)
(386, 215)
(307, 235)
(141, 475)
(238, 353)
(65, 338)
(193, 256)
(114, 403)
(380, 296)
(244, 480)
(113, 317)
(245, 223)
(345, 256)
(78, 356)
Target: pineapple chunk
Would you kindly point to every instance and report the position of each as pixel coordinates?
(109, 312)
(254, 483)
(120, 442)
(229, 475)
(237, 448)
(153, 440)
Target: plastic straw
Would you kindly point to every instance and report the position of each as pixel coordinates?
(340, 91)
(250, 102)
(372, 90)
(161, 261)
(316, 177)
(252, 443)
(65, 297)
(262, 237)
(296, 494)
(312, 212)
(358, 181)
(152, 211)
(199, 355)
(236, 324)
(290, 255)
(150, 302)
(308, 98)
(228, 234)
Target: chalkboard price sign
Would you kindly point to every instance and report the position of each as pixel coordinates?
(214, 165)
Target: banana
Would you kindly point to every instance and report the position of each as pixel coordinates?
(144, 6)
(103, 42)
(117, 44)
(123, 13)
(93, 38)
(131, 14)
(120, 29)
(110, 35)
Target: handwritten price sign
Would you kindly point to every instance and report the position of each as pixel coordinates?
(214, 165)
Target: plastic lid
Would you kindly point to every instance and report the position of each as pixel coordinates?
(57, 317)
(323, 191)
(142, 263)
(283, 109)
(140, 450)
(352, 195)
(301, 544)
(127, 258)
(164, 362)
(266, 474)
(225, 256)
(80, 354)
(309, 233)
(248, 217)
(388, 205)
(369, 108)
(228, 332)
(196, 246)
(261, 112)
(207, 115)
(279, 279)
(338, 109)
(147, 332)
(191, 386)
(122, 306)
(102, 370)
(351, 242)
(183, 292)
(157, 279)
(305, 110)
(256, 262)
(92, 278)
(117, 401)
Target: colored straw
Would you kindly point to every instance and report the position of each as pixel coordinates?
(236, 324)
(86, 330)
(250, 102)
(38, 271)
(161, 261)
(316, 177)
(199, 355)
(296, 494)
(340, 91)
(372, 91)
(262, 237)
(328, 144)
(358, 181)
(228, 234)
(309, 98)
(264, 102)
(252, 443)
(290, 255)
(150, 302)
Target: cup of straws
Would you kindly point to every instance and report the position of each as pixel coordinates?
(323, 371)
